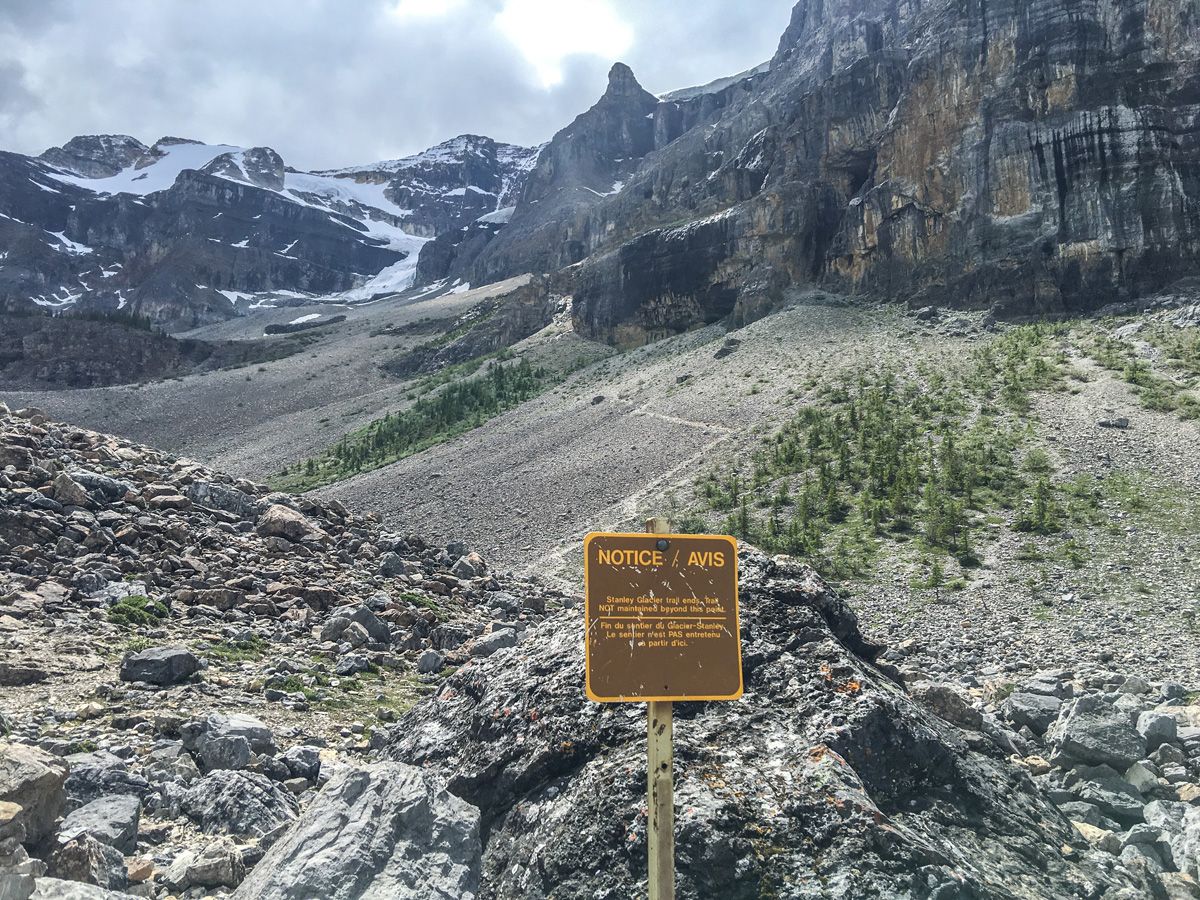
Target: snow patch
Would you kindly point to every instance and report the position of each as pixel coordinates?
(68, 245)
(158, 176)
(500, 216)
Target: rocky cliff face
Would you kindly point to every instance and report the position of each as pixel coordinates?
(1038, 159)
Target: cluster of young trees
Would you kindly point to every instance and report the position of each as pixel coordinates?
(456, 408)
(885, 455)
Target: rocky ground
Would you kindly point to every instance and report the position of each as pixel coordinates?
(209, 688)
(203, 650)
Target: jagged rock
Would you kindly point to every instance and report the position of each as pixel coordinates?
(215, 495)
(393, 564)
(342, 617)
(225, 741)
(99, 774)
(497, 640)
(160, 665)
(1108, 791)
(111, 820)
(219, 864)
(303, 762)
(469, 566)
(33, 779)
(857, 751)
(284, 522)
(1141, 778)
(1157, 728)
(238, 803)
(68, 492)
(947, 703)
(1037, 711)
(1093, 731)
(90, 860)
(385, 830)
(430, 661)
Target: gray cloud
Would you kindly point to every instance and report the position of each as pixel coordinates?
(330, 83)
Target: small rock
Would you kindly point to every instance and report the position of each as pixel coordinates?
(69, 492)
(238, 803)
(429, 662)
(490, 643)
(1157, 728)
(1093, 731)
(91, 861)
(1099, 837)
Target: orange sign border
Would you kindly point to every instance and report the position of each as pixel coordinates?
(737, 620)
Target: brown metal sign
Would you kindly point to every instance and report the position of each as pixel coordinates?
(662, 617)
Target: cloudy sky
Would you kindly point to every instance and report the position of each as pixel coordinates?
(337, 82)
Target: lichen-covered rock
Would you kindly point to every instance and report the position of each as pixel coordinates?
(1096, 732)
(385, 830)
(824, 780)
(238, 803)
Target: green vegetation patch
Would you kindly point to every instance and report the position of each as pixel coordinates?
(249, 649)
(137, 609)
(887, 456)
(457, 408)
(1175, 392)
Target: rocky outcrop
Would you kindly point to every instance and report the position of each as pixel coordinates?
(96, 155)
(824, 780)
(385, 830)
(498, 322)
(584, 163)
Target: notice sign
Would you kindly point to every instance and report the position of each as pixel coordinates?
(662, 617)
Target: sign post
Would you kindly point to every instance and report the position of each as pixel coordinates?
(660, 784)
(661, 625)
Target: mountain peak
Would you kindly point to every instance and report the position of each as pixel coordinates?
(622, 82)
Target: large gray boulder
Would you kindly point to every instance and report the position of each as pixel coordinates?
(214, 495)
(238, 803)
(160, 665)
(226, 740)
(110, 820)
(33, 779)
(1180, 824)
(384, 831)
(1094, 731)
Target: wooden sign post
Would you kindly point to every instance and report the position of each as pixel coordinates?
(661, 625)
(660, 784)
